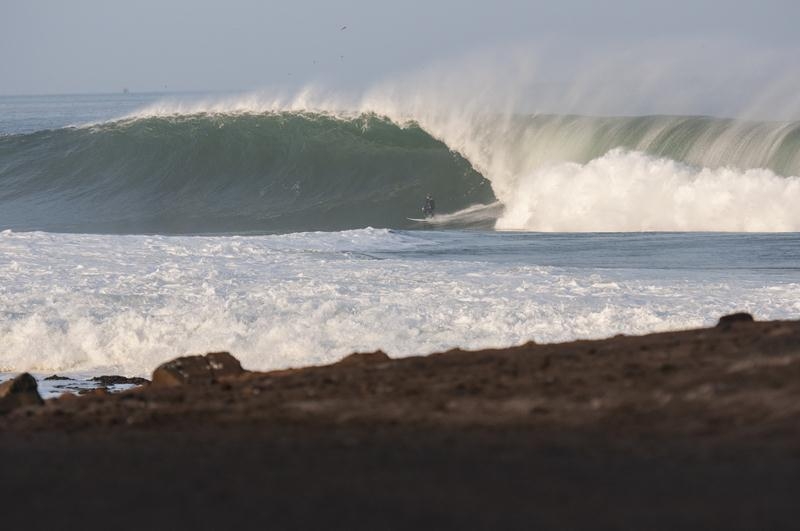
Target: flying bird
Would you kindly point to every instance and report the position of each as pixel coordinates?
(343, 28)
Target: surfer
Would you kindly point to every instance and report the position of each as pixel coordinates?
(429, 207)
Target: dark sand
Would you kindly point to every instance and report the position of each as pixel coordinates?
(685, 430)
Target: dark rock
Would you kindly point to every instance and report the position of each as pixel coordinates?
(364, 358)
(119, 380)
(667, 367)
(57, 377)
(193, 370)
(734, 318)
(19, 392)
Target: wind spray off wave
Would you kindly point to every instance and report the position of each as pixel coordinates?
(247, 164)
(124, 303)
(647, 173)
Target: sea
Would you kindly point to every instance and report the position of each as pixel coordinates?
(135, 228)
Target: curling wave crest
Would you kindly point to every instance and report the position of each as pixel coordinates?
(247, 165)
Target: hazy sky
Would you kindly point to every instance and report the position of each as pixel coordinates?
(56, 46)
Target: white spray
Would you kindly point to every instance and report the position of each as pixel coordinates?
(538, 165)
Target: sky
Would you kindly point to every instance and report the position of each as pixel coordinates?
(90, 46)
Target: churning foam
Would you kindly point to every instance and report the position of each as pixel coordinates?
(124, 304)
(624, 191)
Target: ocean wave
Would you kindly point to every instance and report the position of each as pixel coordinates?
(196, 173)
(248, 165)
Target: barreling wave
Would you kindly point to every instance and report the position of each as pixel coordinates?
(270, 170)
(204, 173)
(649, 173)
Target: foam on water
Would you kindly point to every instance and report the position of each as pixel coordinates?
(123, 304)
(624, 191)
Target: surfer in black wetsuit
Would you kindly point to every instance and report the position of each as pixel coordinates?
(430, 206)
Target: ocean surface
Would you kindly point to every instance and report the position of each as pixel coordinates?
(136, 228)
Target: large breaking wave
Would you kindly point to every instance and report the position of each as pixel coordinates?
(229, 173)
(212, 170)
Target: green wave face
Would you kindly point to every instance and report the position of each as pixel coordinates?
(229, 173)
(297, 171)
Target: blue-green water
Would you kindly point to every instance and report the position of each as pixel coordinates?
(134, 230)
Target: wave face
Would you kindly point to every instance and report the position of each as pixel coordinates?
(234, 168)
(212, 173)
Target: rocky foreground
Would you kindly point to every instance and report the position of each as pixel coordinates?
(697, 429)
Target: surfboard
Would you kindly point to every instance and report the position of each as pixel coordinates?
(419, 220)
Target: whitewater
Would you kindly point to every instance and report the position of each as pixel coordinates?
(126, 303)
(256, 164)
(135, 229)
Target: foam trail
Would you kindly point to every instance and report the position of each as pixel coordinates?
(474, 216)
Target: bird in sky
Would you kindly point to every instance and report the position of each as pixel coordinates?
(343, 28)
